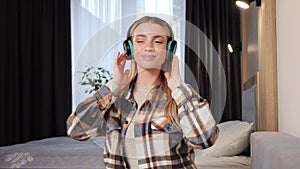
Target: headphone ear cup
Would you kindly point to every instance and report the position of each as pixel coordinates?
(171, 49)
(128, 47)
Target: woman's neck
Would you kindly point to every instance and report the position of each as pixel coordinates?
(148, 77)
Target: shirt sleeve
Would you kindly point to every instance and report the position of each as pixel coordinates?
(87, 120)
(195, 118)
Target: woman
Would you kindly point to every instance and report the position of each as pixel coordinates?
(154, 119)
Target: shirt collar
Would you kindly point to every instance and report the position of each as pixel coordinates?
(155, 94)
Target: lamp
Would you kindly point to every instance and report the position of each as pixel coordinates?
(246, 3)
(233, 49)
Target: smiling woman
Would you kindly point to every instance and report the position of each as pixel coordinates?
(150, 112)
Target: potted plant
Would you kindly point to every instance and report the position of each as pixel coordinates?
(94, 78)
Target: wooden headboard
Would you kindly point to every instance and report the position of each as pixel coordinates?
(249, 100)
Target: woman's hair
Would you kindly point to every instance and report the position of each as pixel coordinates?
(171, 106)
(149, 19)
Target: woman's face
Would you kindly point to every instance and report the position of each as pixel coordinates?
(149, 44)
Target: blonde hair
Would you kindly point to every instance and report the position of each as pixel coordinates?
(171, 106)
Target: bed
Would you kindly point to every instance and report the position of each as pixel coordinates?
(65, 152)
(231, 150)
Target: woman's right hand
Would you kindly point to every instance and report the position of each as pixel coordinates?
(120, 77)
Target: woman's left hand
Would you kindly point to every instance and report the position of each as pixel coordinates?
(174, 78)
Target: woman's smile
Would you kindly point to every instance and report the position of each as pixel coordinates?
(149, 56)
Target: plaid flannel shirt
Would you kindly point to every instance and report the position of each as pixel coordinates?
(159, 144)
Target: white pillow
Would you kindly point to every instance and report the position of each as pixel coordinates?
(234, 138)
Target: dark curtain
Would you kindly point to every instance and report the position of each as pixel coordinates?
(35, 70)
(219, 21)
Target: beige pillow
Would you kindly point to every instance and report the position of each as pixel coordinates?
(234, 138)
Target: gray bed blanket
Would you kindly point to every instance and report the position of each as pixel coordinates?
(65, 152)
(56, 152)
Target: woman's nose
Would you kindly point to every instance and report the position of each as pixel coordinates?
(149, 46)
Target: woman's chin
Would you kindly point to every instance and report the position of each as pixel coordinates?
(150, 67)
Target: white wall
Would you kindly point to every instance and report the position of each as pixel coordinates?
(288, 57)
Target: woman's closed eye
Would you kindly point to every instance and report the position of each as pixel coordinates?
(140, 41)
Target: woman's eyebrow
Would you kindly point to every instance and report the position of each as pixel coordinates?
(159, 36)
(140, 35)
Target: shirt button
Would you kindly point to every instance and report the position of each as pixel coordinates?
(127, 121)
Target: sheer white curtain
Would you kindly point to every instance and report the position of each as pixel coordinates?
(99, 28)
